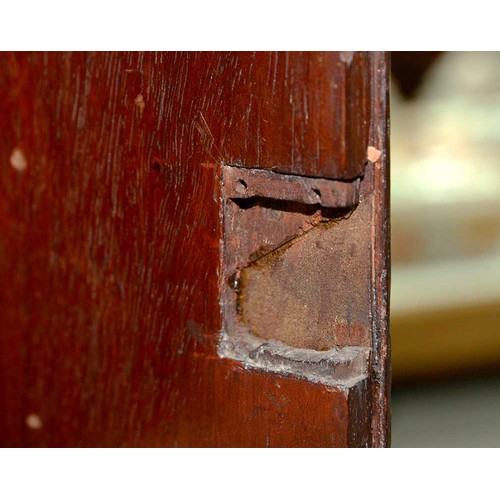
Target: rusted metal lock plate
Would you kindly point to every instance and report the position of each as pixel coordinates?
(294, 271)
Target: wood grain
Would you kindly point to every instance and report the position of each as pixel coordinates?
(110, 234)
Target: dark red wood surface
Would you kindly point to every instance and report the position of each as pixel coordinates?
(110, 234)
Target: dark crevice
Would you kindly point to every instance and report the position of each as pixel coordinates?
(291, 206)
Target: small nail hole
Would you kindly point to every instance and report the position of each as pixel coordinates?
(243, 183)
(317, 192)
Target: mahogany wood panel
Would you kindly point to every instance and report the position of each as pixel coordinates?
(110, 235)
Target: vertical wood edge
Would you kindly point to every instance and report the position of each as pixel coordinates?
(379, 138)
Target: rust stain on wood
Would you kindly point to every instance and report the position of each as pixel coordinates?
(313, 292)
(297, 273)
(258, 185)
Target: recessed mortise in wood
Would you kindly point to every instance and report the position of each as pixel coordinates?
(296, 278)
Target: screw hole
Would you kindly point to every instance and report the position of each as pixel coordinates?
(243, 183)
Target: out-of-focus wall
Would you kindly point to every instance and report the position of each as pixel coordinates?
(445, 183)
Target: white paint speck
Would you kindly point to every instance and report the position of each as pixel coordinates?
(33, 421)
(347, 57)
(373, 154)
(18, 160)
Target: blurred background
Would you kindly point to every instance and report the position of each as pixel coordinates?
(445, 299)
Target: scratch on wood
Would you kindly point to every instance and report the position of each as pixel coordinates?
(139, 102)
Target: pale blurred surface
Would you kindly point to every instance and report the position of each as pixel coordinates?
(445, 148)
(455, 414)
(445, 298)
(445, 183)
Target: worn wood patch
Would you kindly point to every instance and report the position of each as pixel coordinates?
(296, 268)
